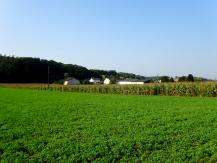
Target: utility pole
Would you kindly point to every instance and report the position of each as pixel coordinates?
(48, 76)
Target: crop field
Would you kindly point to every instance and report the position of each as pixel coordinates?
(200, 89)
(54, 126)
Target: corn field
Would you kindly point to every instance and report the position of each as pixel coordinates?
(164, 89)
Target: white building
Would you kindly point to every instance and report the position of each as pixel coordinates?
(176, 79)
(130, 83)
(107, 81)
(95, 81)
(72, 81)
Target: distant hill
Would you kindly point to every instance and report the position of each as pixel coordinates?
(35, 70)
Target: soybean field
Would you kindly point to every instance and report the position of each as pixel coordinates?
(54, 126)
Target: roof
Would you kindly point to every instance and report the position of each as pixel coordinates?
(96, 78)
(71, 78)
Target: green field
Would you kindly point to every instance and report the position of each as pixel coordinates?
(64, 126)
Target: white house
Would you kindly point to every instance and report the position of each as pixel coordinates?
(107, 81)
(72, 81)
(176, 79)
(130, 83)
(95, 81)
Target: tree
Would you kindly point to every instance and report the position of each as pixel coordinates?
(165, 79)
(35, 70)
(190, 78)
(171, 79)
(182, 79)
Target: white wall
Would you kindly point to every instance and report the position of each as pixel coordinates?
(130, 83)
(106, 81)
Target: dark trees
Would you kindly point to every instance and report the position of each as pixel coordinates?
(165, 79)
(35, 70)
(190, 78)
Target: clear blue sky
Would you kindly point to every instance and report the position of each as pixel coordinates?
(147, 37)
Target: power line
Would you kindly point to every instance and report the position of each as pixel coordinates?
(48, 76)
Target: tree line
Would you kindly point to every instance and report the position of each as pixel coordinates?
(36, 70)
(189, 78)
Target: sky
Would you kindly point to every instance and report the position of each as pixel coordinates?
(146, 37)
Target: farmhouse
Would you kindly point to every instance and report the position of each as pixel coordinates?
(95, 81)
(176, 79)
(72, 81)
(107, 81)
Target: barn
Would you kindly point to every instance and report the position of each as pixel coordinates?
(72, 81)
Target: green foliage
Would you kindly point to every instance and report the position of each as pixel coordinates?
(165, 79)
(164, 89)
(46, 126)
(35, 70)
(171, 79)
(173, 89)
(190, 78)
(182, 79)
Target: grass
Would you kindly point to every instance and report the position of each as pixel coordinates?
(47, 126)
